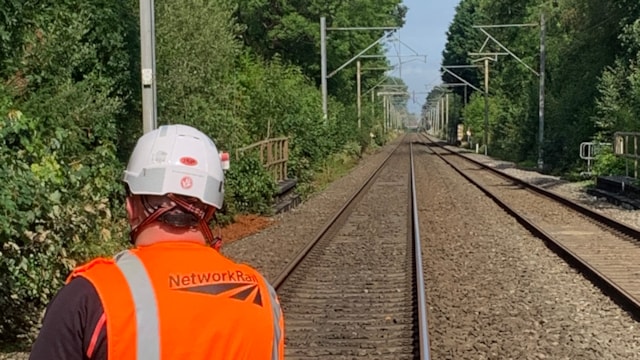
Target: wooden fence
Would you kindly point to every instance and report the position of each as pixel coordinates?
(626, 144)
(273, 153)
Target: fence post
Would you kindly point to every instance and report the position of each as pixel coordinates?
(274, 154)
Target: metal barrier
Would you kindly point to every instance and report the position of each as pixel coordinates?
(588, 151)
(626, 146)
(273, 153)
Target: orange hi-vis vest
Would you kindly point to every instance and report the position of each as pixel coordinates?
(185, 301)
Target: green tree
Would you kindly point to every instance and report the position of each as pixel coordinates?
(462, 38)
(292, 31)
(196, 63)
(618, 104)
(67, 86)
(581, 44)
(583, 38)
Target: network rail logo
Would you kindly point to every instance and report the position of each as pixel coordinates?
(232, 284)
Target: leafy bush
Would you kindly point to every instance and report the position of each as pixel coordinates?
(607, 163)
(67, 82)
(58, 210)
(249, 187)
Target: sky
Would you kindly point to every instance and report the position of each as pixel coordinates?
(424, 33)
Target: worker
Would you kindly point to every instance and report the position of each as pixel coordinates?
(173, 295)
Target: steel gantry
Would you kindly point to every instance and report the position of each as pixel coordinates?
(323, 58)
(323, 54)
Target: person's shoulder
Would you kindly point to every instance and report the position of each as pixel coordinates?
(68, 322)
(94, 265)
(78, 292)
(78, 288)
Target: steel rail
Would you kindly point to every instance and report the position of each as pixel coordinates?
(423, 328)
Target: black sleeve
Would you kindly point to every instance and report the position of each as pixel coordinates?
(69, 325)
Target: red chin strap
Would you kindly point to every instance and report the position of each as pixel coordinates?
(212, 240)
(203, 218)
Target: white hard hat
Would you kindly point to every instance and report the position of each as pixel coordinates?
(176, 159)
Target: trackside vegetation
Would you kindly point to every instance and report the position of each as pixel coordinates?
(70, 108)
(592, 82)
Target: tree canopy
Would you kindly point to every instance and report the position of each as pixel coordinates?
(591, 57)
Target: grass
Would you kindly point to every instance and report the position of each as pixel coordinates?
(332, 169)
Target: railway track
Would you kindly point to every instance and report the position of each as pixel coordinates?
(605, 250)
(357, 289)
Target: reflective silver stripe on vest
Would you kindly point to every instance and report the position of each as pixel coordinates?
(146, 308)
(275, 309)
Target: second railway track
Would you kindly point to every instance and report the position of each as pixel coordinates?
(602, 248)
